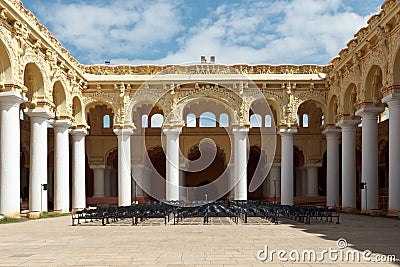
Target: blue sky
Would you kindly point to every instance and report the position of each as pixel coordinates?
(180, 31)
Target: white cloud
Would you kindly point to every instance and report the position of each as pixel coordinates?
(100, 31)
(156, 32)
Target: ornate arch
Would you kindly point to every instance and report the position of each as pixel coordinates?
(6, 40)
(31, 57)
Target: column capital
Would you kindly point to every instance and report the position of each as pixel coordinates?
(312, 165)
(172, 130)
(240, 129)
(39, 113)
(392, 99)
(287, 131)
(348, 123)
(369, 112)
(12, 98)
(97, 167)
(61, 123)
(78, 132)
(331, 132)
(123, 131)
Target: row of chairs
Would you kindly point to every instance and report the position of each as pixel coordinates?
(234, 210)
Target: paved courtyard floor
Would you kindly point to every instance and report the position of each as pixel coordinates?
(50, 242)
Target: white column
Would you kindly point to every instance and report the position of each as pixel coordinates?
(78, 169)
(287, 166)
(240, 157)
(38, 160)
(98, 180)
(304, 182)
(393, 101)
(332, 168)
(124, 166)
(107, 181)
(274, 180)
(9, 154)
(312, 179)
(61, 165)
(172, 164)
(349, 164)
(182, 181)
(369, 161)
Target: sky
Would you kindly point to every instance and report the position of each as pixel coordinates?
(160, 32)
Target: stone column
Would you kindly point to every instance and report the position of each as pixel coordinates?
(107, 181)
(287, 166)
(304, 182)
(38, 160)
(274, 180)
(98, 180)
(332, 168)
(78, 169)
(240, 157)
(312, 179)
(9, 153)
(393, 102)
(349, 164)
(182, 181)
(172, 164)
(124, 166)
(61, 165)
(369, 162)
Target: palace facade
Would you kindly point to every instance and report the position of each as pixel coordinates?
(72, 135)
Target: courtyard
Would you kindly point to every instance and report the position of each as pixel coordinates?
(50, 242)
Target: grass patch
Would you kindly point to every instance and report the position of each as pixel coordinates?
(6, 220)
(47, 214)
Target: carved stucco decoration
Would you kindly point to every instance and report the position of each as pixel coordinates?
(100, 96)
(8, 42)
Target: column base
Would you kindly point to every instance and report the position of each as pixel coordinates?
(373, 212)
(349, 210)
(11, 215)
(393, 213)
(33, 215)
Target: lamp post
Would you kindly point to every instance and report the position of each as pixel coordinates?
(274, 191)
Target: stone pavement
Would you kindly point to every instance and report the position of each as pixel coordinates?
(50, 242)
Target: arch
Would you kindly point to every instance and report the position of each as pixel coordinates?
(349, 100)
(60, 100)
(91, 105)
(332, 110)
(314, 110)
(208, 119)
(5, 65)
(34, 81)
(77, 111)
(373, 85)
